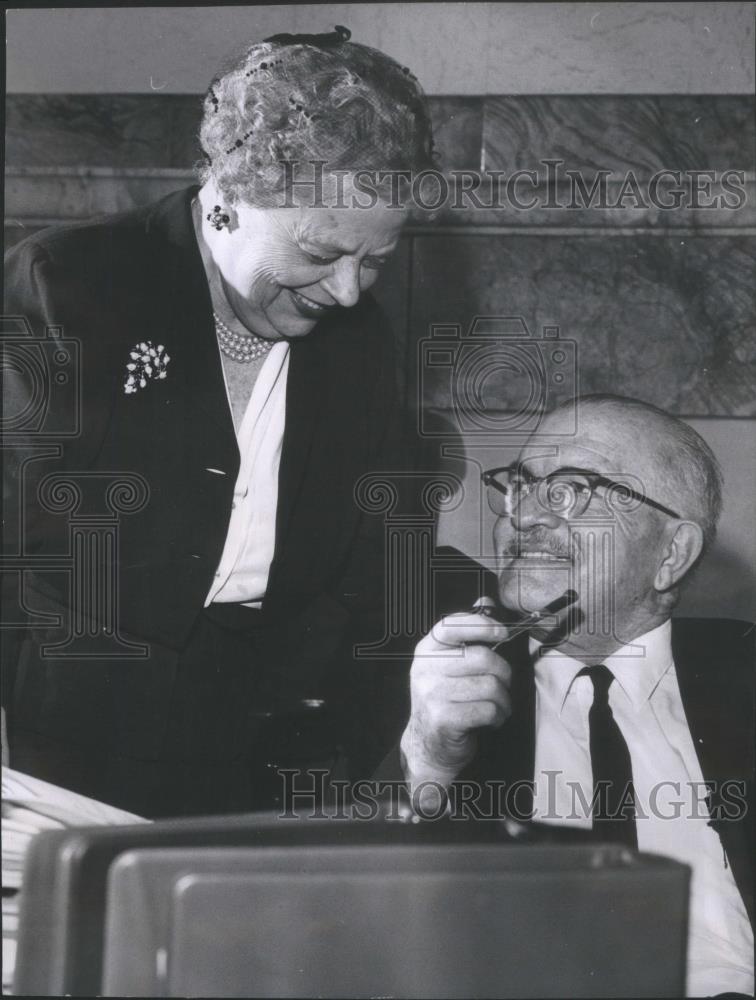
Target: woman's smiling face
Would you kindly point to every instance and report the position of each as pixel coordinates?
(283, 269)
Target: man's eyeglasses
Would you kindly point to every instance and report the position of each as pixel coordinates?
(566, 492)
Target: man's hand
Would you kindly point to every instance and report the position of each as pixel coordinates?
(457, 685)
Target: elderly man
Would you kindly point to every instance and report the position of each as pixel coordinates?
(608, 714)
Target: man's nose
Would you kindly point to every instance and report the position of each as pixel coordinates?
(343, 284)
(530, 512)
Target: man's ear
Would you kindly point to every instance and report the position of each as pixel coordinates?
(681, 552)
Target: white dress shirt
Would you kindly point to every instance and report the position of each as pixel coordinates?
(242, 574)
(667, 779)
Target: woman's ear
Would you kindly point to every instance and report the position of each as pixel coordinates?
(681, 552)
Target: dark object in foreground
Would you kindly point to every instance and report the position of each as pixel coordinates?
(455, 908)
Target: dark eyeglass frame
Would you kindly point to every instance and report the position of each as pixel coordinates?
(593, 479)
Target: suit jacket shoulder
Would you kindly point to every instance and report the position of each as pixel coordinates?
(714, 659)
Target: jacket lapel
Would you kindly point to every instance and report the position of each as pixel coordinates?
(305, 388)
(712, 660)
(188, 320)
(325, 410)
(719, 714)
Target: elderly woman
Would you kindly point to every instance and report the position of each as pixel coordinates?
(237, 379)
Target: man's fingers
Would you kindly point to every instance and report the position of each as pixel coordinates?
(459, 717)
(458, 684)
(480, 687)
(467, 661)
(463, 629)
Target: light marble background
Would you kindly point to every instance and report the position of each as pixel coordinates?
(453, 48)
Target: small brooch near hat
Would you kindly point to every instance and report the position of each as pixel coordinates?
(147, 362)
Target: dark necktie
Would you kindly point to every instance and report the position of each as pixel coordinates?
(614, 797)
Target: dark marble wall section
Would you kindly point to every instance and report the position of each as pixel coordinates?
(616, 133)
(145, 130)
(668, 320)
(622, 133)
(112, 130)
(457, 131)
(34, 195)
(668, 316)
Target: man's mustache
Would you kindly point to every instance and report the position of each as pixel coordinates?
(537, 540)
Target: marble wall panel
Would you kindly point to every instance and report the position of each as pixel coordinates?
(457, 131)
(75, 156)
(159, 130)
(515, 202)
(630, 140)
(616, 134)
(620, 133)
(113, 130)
(35, 195)
(668, 320)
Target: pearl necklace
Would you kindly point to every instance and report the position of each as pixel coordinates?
(240, 347)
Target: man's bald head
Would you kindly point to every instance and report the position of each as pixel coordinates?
(676, 465)
(625, 561)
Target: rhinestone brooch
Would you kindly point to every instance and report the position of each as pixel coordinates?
(145, 362)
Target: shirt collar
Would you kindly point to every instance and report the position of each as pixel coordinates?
(637, 671)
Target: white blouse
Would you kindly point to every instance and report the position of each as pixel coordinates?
(242, 573)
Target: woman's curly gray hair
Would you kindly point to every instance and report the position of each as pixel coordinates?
(346, 104)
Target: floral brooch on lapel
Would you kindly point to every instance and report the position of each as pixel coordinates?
(147, 362)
